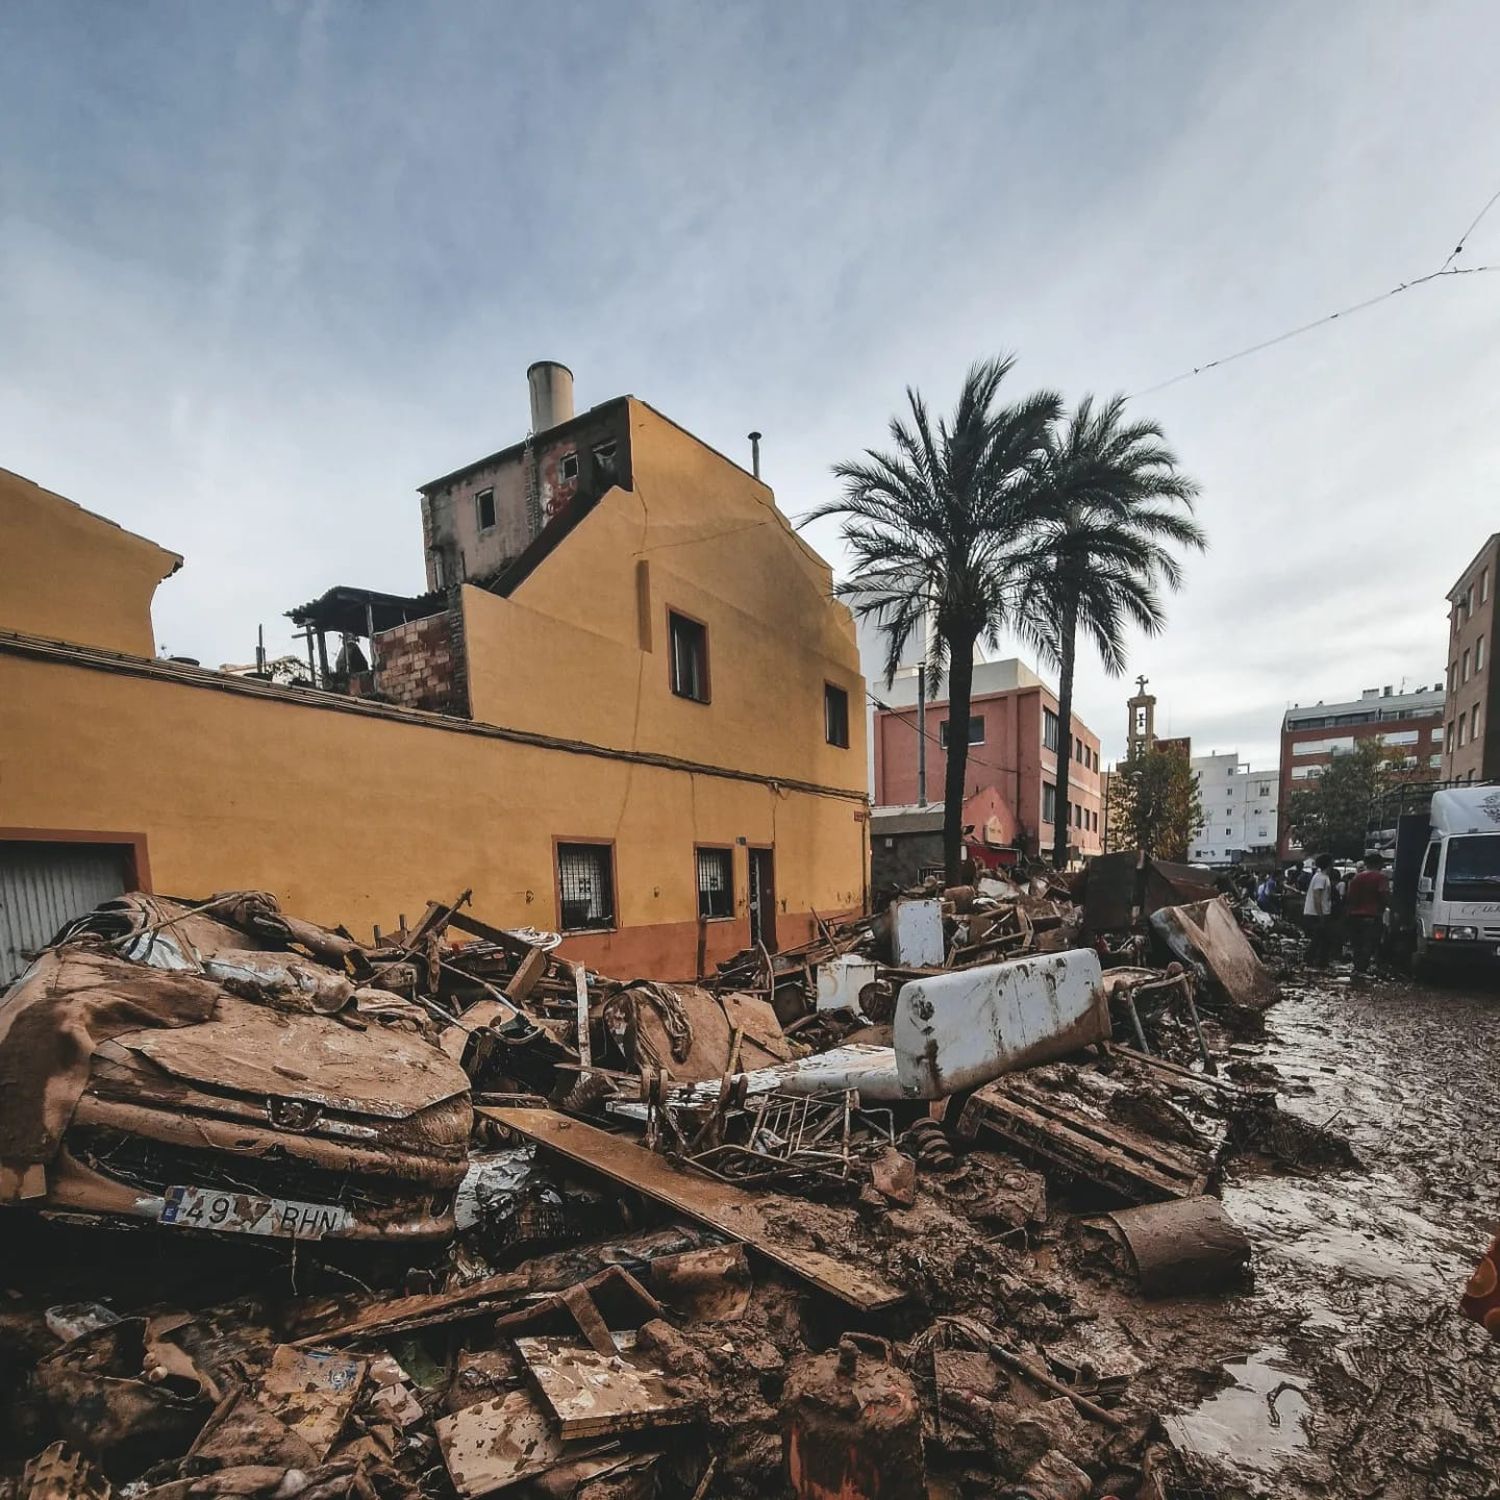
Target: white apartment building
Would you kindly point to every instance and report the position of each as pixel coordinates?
(1239, 810)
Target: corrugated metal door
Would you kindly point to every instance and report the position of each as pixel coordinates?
(44, 885)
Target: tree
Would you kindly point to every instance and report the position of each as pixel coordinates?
(1154, 805)
(934, 527)
(1330, 815)
(1109, 507)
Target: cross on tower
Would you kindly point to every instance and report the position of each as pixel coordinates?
(1140, 682)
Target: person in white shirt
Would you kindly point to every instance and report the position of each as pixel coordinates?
(1317, 912)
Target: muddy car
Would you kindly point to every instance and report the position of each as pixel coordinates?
(177, 1069)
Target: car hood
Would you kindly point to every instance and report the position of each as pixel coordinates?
(254, 1050)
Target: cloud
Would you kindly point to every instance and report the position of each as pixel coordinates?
(264, 270)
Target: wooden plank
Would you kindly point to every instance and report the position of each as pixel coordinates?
(1109, 1134)
(581, 981)
(721, 1206)
(524, 980)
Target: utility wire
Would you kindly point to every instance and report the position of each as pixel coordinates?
(1446, 269)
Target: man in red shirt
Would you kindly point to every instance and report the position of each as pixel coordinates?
(1365, 902)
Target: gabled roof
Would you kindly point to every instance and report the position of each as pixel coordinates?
(93, 515)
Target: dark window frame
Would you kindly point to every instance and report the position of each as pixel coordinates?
(480, 497)
(1051, 729)
(560, 845)
(706, 696)
(727, 850)
(562, 465)
(833, 695)
(973, 720)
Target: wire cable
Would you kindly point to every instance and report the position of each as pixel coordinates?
(1446, 269)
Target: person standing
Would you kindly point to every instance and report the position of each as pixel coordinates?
(1317, 912)
(1365, 902)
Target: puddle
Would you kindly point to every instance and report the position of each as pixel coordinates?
(1256, 1426)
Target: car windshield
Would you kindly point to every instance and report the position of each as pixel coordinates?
(1472, 872)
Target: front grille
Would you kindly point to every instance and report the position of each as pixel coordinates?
(153, 1167)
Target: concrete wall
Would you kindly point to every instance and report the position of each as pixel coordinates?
(1472, 683)
(580, 647)
(68, 574)
(450, 517)
(356, 814)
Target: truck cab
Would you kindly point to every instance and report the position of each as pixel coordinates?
(1457, 905)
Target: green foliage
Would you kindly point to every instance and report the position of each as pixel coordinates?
(1154, 805)
(934, 527)
(1330, 815)
(1110, 505)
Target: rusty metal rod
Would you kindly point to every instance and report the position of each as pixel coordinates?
(1048, 1382)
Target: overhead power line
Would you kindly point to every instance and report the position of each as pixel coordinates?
(1446, 269)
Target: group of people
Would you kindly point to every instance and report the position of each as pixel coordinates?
(1344, 905)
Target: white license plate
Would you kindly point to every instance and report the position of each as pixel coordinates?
(243, 1213)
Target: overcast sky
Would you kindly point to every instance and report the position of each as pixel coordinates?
(264, 268)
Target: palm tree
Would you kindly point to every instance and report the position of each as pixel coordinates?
(934, 527)
(1109, 506)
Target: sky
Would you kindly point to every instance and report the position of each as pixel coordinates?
(266, 268)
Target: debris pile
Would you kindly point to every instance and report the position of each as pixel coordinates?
(447, 1214)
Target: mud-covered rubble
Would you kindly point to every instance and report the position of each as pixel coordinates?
(446, 1214)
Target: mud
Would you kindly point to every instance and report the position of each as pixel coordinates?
(1382, 1388)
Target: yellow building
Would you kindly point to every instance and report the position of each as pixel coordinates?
(639, 724)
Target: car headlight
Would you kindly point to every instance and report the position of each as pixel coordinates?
(1455, 934)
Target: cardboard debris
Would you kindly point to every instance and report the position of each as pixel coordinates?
(495, 1444)
(312, 1393)
(591, 1394)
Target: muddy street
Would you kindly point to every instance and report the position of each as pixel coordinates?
(1355, 1375)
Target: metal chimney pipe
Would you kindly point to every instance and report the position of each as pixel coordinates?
(755, 454)
(551, 394)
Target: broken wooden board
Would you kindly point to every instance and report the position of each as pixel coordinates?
(312, 1393)
(594, 1395)
(719, 1205)
(1138, 1168)
(494, 1444)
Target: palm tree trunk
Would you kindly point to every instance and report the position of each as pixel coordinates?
(960, 690)
(1068, 644)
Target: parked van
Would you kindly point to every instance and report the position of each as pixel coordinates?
(1445, 896)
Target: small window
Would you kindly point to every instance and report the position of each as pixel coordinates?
(1484, 585)
(1049, 729)
(1049, 803)
(604, 457)
(484, 509)
(1465, 676)
(1479, 654)
(1429, 865)
(689, 643)
(715, 884)
(586, 887)
(1473, 723)
(835, 715)
(568, 468)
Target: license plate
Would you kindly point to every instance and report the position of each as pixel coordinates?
(242, 1213)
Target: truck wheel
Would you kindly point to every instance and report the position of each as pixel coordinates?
(1422, 966)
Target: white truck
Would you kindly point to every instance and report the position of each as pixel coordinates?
(1445, 881)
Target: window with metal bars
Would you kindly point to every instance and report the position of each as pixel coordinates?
(586, 886)
(715, 883)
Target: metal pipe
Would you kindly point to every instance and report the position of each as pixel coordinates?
(755, 454)
(922, 735)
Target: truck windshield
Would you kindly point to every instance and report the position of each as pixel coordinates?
(1472, 872)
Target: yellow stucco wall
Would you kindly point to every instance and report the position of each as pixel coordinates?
(358, 815)
(70, 575)
(356, 818)
(580, 648)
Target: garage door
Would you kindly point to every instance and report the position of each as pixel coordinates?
(44, 885)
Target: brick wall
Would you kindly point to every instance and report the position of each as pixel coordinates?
(421, 665)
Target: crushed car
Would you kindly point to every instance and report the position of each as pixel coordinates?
(224, 1068)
